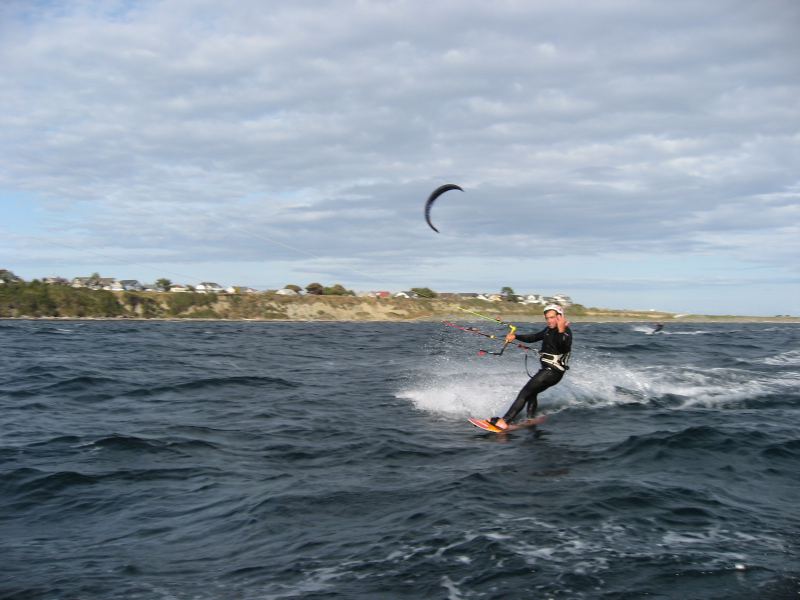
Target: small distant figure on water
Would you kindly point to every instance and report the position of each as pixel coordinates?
(556, 346)
(658, 327)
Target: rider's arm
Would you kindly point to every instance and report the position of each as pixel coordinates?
(532, 337)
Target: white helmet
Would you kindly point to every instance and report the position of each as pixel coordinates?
(555, 307)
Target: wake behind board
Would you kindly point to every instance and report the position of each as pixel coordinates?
(486, 426)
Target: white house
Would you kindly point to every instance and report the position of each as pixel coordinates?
(179, 287)
(54, 281)
(209, 287)
(533, 299)
(286, 292)
(93, 283)
(563, 299)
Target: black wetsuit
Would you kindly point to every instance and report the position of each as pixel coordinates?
(553, 342)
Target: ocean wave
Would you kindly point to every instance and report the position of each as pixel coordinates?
(216, 382)
(789, 449)
(790, 358)
(53, 331)
(660, 445)
(58, 440)
(37, 485)
(139, 446)
(665, 468)
(75, 383)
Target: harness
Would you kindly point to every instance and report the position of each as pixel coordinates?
(559, 361)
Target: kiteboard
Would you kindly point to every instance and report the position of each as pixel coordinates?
(487, 426)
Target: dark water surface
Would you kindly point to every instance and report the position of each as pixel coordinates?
(199, 460)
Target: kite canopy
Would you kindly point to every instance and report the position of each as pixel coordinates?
(432, 198)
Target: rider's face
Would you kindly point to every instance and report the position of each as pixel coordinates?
(551, 318)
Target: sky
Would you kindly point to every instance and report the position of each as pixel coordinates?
(630, 154)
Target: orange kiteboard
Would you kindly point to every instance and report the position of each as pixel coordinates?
(486, 426)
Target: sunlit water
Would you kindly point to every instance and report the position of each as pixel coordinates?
(198, 460)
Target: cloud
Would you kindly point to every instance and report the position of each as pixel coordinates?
(188, 129)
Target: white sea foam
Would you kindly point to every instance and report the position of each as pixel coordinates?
(469, 388)
(648, 330)
(481, 387)
(642, 329)
(697, 332)
(790, 358)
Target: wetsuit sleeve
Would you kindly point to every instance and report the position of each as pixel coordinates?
(532, 337)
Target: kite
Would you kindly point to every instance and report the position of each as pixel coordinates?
(432, 198)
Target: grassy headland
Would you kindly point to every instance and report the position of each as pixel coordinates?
(39, 300)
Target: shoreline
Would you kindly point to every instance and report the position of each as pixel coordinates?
(431, 319)
(42, 302)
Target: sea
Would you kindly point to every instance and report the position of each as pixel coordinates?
(194, 460)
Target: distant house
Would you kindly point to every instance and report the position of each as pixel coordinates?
(240, 289)
(55, 281)
(131, 285)
(382, 294)
(93, 283)
(209, 287)
(533, 299)
(403, 295)
(7, 276)
(474, 296)
(80, 282)
(179, 288)
(563, 299)
(286, 292)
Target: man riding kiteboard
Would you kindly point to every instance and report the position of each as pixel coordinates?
(556, 345)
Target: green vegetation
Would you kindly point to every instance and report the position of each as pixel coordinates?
(36, 299)
(189, 303)
(19, 299)
(315, 289)
(424, 292)
(509, 295)
(337, 290)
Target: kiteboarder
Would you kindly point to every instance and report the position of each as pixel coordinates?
(556, 341)
(658, 327)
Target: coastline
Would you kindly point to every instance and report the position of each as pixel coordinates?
(577, 319)
(38, 302)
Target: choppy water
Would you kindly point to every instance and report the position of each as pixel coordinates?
(165, 460)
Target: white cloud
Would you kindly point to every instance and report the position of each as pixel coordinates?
(577, 129)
